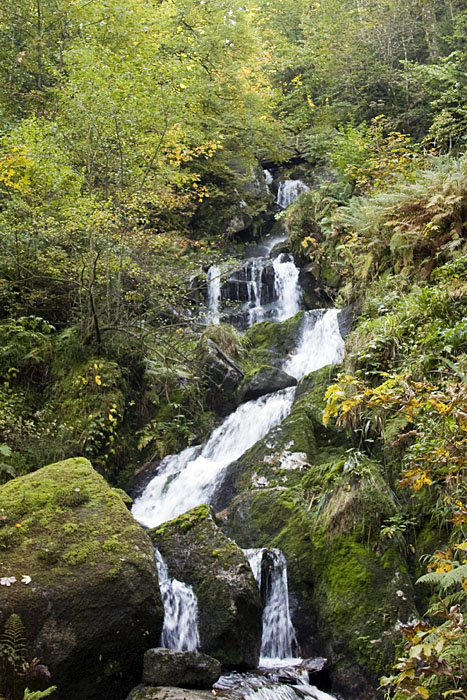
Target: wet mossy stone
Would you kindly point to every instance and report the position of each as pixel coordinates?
(229, 606)
(349, 588)
(184, 669)
(222, 376)
(271, 342)
(263, 381)
(93, 605)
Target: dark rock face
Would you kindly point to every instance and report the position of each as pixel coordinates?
(93, 601)
(222, 376)
(229, 606)
(265, 381)
(346, 319)
(185, 669)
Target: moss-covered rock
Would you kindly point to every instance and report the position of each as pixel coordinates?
(349, 587)
(229, 606)
(271, 342)
(93, 604)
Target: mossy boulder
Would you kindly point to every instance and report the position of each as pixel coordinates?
(222, 376)
(271, 342)
(229, 606)
(93, 605)
(184, 669)
(263, 381)
(349, 587)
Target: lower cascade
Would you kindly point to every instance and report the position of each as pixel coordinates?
(270, 571)
(180, 629)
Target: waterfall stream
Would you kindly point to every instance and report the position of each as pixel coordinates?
(191, 477)
(267, 289)
(270, 571)
(180, 629)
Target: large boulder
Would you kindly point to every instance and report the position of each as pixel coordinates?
(229, 606)
(92, 606)
(264, 381)
(185, 669)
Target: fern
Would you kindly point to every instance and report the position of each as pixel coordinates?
(38, 694)
(13, 642)
(445, 580)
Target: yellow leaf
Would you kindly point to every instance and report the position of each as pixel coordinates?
(422, 691)
(97, 379)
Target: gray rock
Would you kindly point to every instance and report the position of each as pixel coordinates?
(229, 605)
(185, 669)
(222, 376)
(265, 381)
(151, 692)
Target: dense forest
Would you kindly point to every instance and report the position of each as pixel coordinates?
(130, 134)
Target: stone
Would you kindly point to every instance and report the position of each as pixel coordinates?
(221, 374)
(93, 601)
(185, 669)
(229, 605)
(151, 692)
(265, 381)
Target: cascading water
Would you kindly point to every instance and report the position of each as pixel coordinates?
(191, 477)
(287, 287)
(289, 191)
(270, 571)
(213, 279)
(180, 629)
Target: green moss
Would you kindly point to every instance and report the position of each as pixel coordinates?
(67, 516)
(270, 342)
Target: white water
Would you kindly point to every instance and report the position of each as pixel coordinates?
(190, 478)
(213, 278)
(256, 310)
(268, 177)
(288, 692)
(270, 571)
(180, 629)
(289, 191)
(320, 344)
(287, 287)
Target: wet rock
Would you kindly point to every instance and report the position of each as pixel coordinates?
(93, 600)
(148, 692)
(229, 606)
(265, 381)
(185, 669)
(222, 376)
(347, 317)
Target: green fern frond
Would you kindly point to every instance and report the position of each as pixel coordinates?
(13, 641)
(38, 694)
(446, 580)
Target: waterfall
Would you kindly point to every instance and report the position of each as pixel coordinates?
(191, 477)
(268, 177)
(213, 278)
(320, 344)
(286, 287)
(254, 274)
(180, 629)
(289, 191)
(270, 571)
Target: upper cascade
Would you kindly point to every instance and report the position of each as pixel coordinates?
(289, 191)
(180, 629)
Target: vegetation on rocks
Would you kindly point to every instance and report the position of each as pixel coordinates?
(132, 140)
